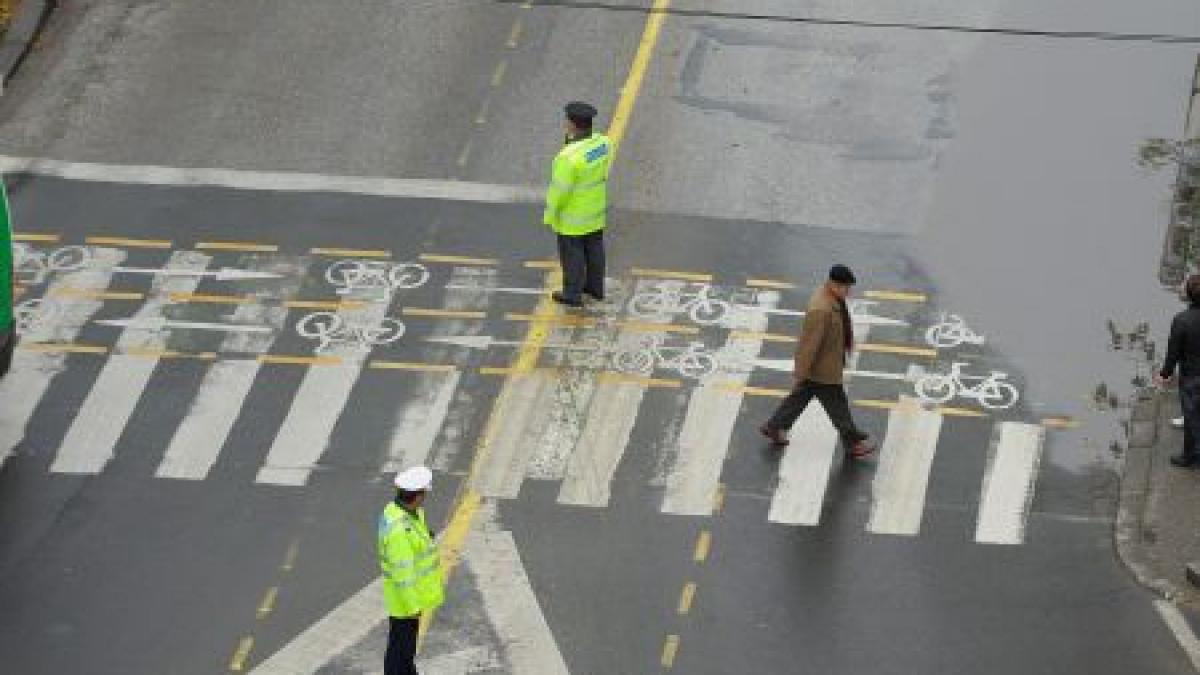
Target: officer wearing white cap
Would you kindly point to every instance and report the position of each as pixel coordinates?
(411, 566)
(577, 205)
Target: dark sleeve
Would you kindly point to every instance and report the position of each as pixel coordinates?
(1174, 347)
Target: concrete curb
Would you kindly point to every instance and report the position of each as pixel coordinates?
(1134, 497)
(27, 23)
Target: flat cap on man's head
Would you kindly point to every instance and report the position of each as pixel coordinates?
(842, 275)
(580, 113)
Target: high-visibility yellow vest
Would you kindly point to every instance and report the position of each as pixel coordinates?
(577, 199)
(408, 557)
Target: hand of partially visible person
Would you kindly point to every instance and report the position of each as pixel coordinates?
(1162, 381)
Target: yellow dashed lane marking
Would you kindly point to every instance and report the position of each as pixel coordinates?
(168, 354)
(31, 236)
(238, 662)
(352, 252)
(404, 365)
(770, 283)
(765, 337)
(703, 546)
(648, 327)
(94, 294)
(949, 411)
(268, 602)
(331, 305)
(236, 246)
(456, 259)
(300, 360)
(1060, 422)
(211, 299)
(685, 598)
(669, 650)
(896, 349)
(289, 558)
(636, 379)
(514, 36)
(498, 74)
(129, 243)
(562, 319)
(443, 313)
(671, 274)
(901, 296)
(719, 498)
(62, 347)
(541, 264)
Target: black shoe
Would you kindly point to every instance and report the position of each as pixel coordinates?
(564, 300)
(1184, 461)
(598, 297)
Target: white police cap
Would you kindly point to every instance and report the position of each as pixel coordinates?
(415, 479)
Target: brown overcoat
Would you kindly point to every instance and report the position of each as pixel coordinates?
(821, 354)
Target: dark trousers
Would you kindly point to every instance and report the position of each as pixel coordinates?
(402, 646)
(832, 398)
(1189, 401)
(582, 259)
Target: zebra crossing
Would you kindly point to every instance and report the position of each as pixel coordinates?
(570, 421)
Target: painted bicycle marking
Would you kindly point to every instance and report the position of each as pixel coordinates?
(34, 314)
(667, 298)
(330, 329)
(352, 276)
(693, 361)
(951, 331)
(991, 391)
(32, 266)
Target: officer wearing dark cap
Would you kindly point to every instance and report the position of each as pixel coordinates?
(577, 205)
(825, 340)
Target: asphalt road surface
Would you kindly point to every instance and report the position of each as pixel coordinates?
(272, 251)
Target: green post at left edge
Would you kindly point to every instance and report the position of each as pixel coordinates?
(8, 329)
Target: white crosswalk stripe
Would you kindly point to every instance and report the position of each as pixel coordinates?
(805, 469)
(23, 389)
(1008, 483)
(906, 457)
(92, 438)
(198, 440)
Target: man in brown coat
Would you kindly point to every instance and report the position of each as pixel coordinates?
(827, 337)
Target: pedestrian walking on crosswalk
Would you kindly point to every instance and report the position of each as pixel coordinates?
(411, 566)
(577, 204)
(825, 340)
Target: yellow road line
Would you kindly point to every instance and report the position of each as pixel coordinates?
(443, 313)
(514, 36)
(465, 155)
(168, 354)
(299, 360)
(635, 379)
(649, 327)
(95, 294)
(703, 546)
(949, 411)
(509, 370)
(770, 283)
(896, 349)
(671, 274)
(33, 236)
(557, 319)
(481, 118)
(456, 259)
(236, 246)
(753, 391)
(541, 264)
(685, 598)
(404, 365)
(901, 296)
(129, 243)
(351, 252)
(289, 558)
(1060, 422)
(719, 498)
(211, 299)
(62, 347)
(669, 650)
(268, 602)
(238, 663)
(498, 74)
(637, 71)
(331, 305)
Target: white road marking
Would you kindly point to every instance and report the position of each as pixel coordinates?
(1179, 626)
(805, 468)
(278, 181)
(712, 411)
(92, 438)
(1008, 483)
(610, 420)
(223, 274)
(420, 420)
(202, 434)
(332, 634)
(898, 492)
(321, 398)
(526, 412)
(158, 323)
(33, 371)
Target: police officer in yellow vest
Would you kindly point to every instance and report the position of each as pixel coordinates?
(412, 572)
(576, 205)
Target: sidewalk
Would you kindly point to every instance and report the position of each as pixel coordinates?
(1158, 527)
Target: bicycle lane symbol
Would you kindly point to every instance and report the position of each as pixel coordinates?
(368, 287)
